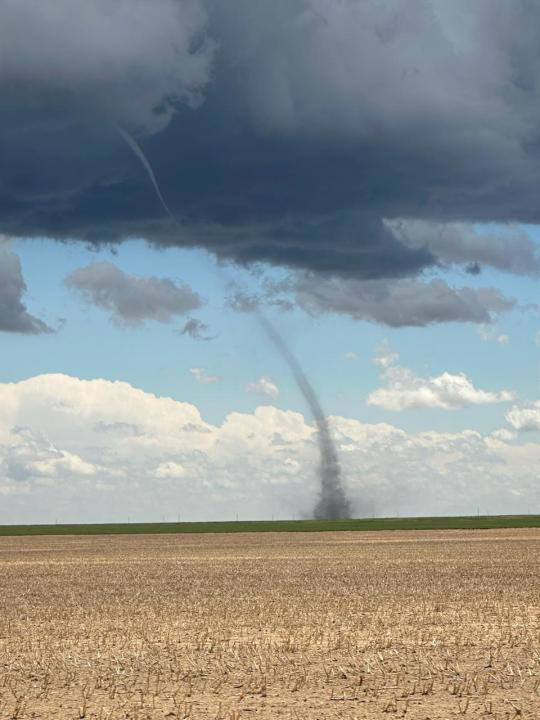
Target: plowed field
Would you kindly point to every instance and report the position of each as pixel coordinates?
(437, 624)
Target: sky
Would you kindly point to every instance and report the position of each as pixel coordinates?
(364, 174)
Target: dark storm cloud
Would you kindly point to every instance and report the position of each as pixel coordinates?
(274, 294)
(283, 132)
(400, 303)
(473, 268)
(510, 250)
(196, 329)
(243, 302)
(131, 61)
(132, 299)
(396, 303)
(14, 317)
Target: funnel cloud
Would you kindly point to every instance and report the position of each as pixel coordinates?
(134, 145)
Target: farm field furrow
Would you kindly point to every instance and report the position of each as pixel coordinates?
(426, 624)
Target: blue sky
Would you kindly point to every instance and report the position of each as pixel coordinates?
(157, 358)
(390, 469)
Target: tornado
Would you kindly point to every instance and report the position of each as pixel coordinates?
(332, 503)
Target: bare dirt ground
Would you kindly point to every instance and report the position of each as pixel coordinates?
(437, 624)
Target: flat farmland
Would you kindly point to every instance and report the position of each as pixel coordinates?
(425, 624)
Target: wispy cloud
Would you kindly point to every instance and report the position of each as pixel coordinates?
(491, 334)
(202, 377)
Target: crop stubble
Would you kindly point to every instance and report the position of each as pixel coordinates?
(437, 624)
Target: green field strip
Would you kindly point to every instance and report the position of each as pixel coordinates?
(473, 522)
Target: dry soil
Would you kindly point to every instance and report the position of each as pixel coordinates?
(438, 624)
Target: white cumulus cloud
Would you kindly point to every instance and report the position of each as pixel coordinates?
(66, 444)
(525, 418)
(263, 386)
(170, 470)
(403, 389)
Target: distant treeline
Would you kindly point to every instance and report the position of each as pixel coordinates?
(473, 522)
